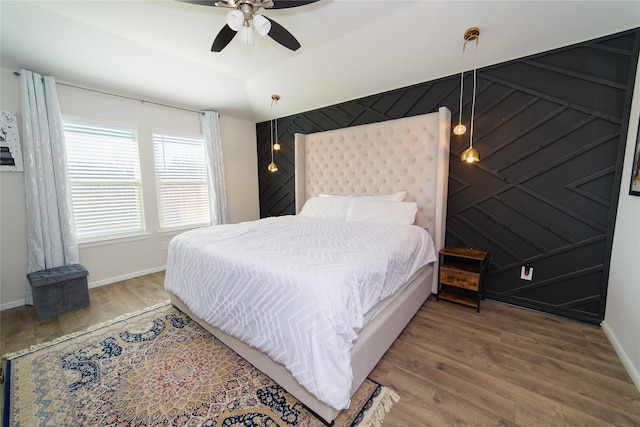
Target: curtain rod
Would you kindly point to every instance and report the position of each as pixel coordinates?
(17, 74)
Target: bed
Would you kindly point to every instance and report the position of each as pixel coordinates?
(387, 158)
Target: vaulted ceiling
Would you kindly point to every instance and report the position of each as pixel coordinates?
(160, 50)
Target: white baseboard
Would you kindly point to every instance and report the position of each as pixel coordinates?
(21, 302)
(12, 304)
(125, 277)
(628, 364)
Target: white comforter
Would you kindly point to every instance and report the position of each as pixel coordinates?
(296, 287)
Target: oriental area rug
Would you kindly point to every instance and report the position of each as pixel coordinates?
(158, 368)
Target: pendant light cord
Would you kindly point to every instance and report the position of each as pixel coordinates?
(461, 85)
(473, 100)
(271, 133)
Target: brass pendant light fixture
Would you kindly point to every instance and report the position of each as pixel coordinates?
(275, 145)
(470, 155)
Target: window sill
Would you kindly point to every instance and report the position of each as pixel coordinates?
(174, 231)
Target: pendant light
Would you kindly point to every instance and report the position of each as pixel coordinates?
(275, 146)
(470, 155)
(461, 129)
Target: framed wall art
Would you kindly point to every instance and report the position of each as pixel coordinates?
(634, 188)
(10, 151)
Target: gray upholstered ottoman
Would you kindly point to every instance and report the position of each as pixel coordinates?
(59, 289)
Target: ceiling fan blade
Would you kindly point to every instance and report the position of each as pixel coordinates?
(285, 4)
(200, 2)
(282, 36)
(223, 38)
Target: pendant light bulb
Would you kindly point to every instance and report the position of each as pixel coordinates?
(272, 167)
(470, 155)
(460, 129)
(276, 146)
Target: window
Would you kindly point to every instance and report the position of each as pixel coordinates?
(181, 179)
(104, 174)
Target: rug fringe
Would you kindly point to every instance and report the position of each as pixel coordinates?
(382, 404)
(40, 346)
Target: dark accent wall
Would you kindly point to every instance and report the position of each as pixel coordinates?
(551, 131)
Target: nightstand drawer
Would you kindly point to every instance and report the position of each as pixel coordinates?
(460, 279)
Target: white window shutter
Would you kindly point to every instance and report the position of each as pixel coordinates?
(181, 180)
(104, 174)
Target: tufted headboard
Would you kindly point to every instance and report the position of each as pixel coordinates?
(409, 154)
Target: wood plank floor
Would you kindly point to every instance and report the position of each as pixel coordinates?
(21, 329)
(504, 366)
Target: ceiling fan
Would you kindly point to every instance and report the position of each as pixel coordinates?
(244, 14)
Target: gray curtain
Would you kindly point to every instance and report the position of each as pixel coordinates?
(210, 124)
(51, 237)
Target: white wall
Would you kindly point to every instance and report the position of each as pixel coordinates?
(120, 259)
(622, 318)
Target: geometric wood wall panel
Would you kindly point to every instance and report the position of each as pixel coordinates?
(551, 132)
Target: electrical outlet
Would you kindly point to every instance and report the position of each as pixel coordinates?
(526, 272)
(165, 245)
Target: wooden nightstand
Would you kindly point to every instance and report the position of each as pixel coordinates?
(461, 275)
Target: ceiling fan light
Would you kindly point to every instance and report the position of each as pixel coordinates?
(246, 34)
(235, 20)
(262, 25)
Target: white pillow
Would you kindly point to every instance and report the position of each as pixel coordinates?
(325, 207)
(382, 211)
(396, 197)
